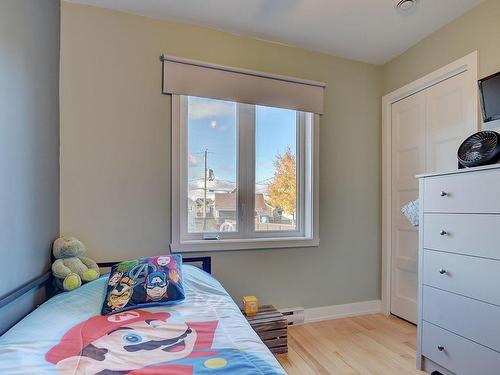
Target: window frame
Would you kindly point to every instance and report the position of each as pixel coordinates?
(246, 237)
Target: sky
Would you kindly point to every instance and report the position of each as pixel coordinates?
(212, 127)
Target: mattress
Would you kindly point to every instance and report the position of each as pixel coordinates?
(205, 334)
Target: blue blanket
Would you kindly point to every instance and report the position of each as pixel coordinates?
(205, 334)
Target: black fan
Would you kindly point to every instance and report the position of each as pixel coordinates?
(480, 149)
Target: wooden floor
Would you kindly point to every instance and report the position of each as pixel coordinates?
(364, 345)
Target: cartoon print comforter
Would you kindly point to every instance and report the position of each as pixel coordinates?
(205, 334)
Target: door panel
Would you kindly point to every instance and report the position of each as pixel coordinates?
(427, 129)
(408, 124)
(450, 118)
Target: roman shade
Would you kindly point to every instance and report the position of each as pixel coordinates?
(196, 78)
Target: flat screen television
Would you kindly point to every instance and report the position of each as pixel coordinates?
(489, 92)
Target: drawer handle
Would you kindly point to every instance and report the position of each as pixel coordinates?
(442, 271)
(443, 193)
(442, 232)
(440, 348)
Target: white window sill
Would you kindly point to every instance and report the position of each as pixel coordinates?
(195, 246)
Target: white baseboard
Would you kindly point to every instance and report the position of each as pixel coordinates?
(317, 314)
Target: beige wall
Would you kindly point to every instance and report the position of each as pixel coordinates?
(115, 145)
(479, 29)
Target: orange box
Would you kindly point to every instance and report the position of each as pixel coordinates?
(250, 305)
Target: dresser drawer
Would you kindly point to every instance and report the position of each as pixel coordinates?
(457, 354)
(477, 278)
(450, 311)
(473, 234)
(474, 192)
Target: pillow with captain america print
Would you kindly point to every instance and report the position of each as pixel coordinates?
(144, 282)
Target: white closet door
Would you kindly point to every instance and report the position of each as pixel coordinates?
(408, 150)
(427, 129)
(451, 117)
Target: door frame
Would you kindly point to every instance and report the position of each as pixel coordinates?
(466, 63)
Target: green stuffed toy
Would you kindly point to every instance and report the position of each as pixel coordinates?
(71, 269)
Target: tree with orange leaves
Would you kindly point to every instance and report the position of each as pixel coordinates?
(282, 191)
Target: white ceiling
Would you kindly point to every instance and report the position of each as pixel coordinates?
(366, 30)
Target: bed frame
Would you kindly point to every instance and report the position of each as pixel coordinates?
(205, 263)
(8, 301)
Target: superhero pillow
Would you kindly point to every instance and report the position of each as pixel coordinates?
(144, 282)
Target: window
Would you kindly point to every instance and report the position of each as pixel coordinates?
(242, 176)
(212, 147)
(276, 169)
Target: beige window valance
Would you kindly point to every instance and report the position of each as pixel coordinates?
(196, 78)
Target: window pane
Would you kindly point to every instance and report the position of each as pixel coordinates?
(275, 169)
(212, 165)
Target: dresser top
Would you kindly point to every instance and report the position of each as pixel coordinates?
(459, 171)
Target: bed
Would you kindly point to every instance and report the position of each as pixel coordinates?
(205, 334)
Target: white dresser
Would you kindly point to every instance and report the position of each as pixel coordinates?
(459, 272)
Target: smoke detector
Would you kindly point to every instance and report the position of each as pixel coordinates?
(405, 6)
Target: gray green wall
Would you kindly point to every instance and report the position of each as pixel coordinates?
(115, 154)
(478, 29)
(29, 144)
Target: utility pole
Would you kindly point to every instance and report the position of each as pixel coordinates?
(205, 191)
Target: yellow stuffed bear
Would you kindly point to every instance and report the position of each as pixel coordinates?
(71, 268)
